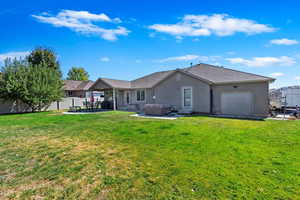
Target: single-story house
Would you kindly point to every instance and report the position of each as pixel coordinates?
(81, 89)
(201, 88)
(77, 88)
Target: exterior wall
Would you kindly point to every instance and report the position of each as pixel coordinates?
(65, 103)
(258, 90)
(140, 104)
(12, 107)
(170, 92)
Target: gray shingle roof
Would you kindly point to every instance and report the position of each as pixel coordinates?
(116, 83)
(210, 73)
(150, 80)
(220, 75)
(71, 85)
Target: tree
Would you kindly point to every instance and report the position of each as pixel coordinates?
(43, 86)
(43, 56)
(34, 84)
(13, 80)
(78, 74)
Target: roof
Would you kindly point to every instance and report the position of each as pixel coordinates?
(71, 85)
(207, 73)
(151, 79)
(219, 75)
(116, 83)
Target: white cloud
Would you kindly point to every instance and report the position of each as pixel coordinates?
(297, 78)
(84, 22)
(284, 41)
(180, 58)
(263, 61)
(193, 57)
(230, 53)
(12, 55)
(276, 74)
(217, 24)
(105, 59)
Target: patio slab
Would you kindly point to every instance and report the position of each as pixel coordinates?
(156, 117)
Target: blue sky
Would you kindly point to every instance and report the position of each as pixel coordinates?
(128, 39)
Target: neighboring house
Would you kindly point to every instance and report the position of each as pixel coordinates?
(285, 96)
(200, 88)
(77, 88)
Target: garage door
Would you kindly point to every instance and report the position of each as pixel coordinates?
(236, 103)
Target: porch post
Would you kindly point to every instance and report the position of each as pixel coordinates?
(114, 98)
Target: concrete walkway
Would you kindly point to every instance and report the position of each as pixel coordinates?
(156, 117)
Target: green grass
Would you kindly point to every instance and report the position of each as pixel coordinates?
(114, 156)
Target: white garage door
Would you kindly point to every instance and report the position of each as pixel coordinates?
(236, 103)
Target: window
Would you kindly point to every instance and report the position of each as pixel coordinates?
(127, 97)
(140, 95)
(70, 93)
(187, 97)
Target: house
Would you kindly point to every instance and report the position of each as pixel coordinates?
(77, 88)
(200, 88)
(288, 97)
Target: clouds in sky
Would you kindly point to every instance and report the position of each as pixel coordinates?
(263, 61)
(12, 55)
(297, 78)
(284, 41)
(276, 74)
(105, 59)
(216, 24)
(187, 57)
(84, 22)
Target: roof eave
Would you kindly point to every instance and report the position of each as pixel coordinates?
(250, 81)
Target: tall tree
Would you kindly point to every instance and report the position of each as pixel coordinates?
(78, 74)
(13, 80)
(43, 86)
(45, 57)
(36, 84)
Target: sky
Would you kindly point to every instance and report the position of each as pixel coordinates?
(128, 39)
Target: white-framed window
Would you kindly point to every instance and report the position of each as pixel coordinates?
(140, 95)
(187, 97)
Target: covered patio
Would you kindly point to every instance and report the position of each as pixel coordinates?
(117, 93)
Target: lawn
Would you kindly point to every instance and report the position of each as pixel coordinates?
(114, 156)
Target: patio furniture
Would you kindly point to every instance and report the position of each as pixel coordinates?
(75, 109)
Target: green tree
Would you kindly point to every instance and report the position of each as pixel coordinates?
(78, 74)
(34, 84)
(45, 57)
(13, 80)
(43, 86)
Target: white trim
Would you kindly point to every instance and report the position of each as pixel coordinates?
(136, 91)
(114, 99)
(126, 92)
(182, 98)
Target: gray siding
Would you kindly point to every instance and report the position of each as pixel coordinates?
(12, 107)
(258, 90)
(140, 104)
(169, 92)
